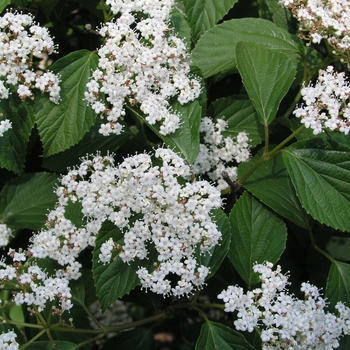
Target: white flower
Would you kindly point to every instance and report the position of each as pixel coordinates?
(5, 232)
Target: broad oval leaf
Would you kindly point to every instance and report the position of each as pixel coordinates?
(258, 235)
(204, 14)
(215, 335)
(240, 115)
(215, 52)
(25, 201)
(64, 125)
(320, 173)
(338, 284)
(267, 75)
(272, 185)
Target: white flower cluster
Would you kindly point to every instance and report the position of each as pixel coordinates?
(217, 152)
(5, 233)
(20, 38)
(152, 205)
(285, 321)
(4, 126)
(34, 286)
(141, 63)
(327, 104)
(8, 341)
(323, 19)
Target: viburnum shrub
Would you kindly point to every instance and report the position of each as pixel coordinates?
(174, 174)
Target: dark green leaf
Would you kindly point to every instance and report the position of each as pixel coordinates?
(180, 26)
(25, 201)
(276, 13)
(214, 260)
(338, 284)
(13, 144)
(271, 183)
(240, 116)
(64, 125)
(267, 75)
(135, 339)
(258, 235)
(215, 52)
(216, 336)
(204, 14)
(320, 172)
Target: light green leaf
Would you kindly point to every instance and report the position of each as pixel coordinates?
(217, 255)
(64, 125)
(215, 335)
(338, 284)
(258, 235)
(267, 75)
(13, 144)
(184, 140)
(240, 115)
(320, 172)
(215, 52)
(204, 14)
(47, 345)
(25, 201)
(272, 185)
(3, 4)
(135, 339)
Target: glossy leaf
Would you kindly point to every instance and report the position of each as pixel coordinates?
(320, 172)
(272, 185)
(64, 125)
(24, 201)
(204, 14)
(258, 235)
(267, 75)
(240, 115)
(215, 335)
(215, 52)
(13, 144)
(338, 284)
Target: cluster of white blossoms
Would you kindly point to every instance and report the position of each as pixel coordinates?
(217, 153)
(20, 39)
(8, 341)
(152, 205)
(285, 321)
(327, 103)
(323, 19)
(141, 63)
(34, 286)
(4, 126)
(5, 234)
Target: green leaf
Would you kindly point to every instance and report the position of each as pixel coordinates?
(13, 144)
(240, 115)
(258, 235)
(272, 185)
(135, 339)
(184, 140)
(215, 335)
(215, 52)
(218, 254)
(320, 172)
(3, 4)
(180, 26)
(91, 142)
(25, 201)
(47, 345)
(204, 14)
(338, 284)
(278, 14)
(267, 75)
(64, 125)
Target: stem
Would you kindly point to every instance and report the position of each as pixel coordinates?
(314, 245)
(266, 127)
(33, 339)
